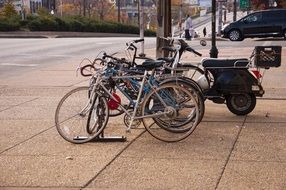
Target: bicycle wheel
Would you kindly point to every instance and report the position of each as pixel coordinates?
(98, 116)
(193, 71)
(177, 110)
(72, 114)
(178, 122)
(193, 87)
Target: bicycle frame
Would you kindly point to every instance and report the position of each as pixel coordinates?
(146, 84)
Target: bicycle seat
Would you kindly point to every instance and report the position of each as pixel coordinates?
(151, 64)
(225, 63)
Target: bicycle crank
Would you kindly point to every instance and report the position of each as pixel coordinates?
(135, 123)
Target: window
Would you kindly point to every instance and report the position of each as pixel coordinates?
(256, 17)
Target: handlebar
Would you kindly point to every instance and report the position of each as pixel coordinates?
(84, 68)
(119, 60)
(131, 45)
(184, 45)
(192, 50)
(139, 40)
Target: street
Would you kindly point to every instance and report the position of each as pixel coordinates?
(22, 55)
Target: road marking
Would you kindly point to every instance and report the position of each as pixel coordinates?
(46, 55)
(18, 64)
(104, 43)
(60, 55)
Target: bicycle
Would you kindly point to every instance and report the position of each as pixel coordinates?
(167, 107)
(174, 72)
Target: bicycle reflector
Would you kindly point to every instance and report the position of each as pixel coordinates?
(114, 104)
(256, 74)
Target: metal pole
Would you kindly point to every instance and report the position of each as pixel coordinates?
(164, 25)
(219, 18)
(141, 23)
(234, 10)
(213, 51)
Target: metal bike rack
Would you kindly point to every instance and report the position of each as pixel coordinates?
(103, 138)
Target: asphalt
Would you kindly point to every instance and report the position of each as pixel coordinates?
(224, 152)
(57, 34)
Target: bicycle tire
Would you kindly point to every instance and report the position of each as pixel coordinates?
(161, 132)
(71, 116)
(97, 117)
(193, 72)
(193, 87)
(187, 84)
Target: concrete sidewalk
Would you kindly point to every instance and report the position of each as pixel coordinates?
(224, 152)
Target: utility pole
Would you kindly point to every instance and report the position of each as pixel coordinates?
(213, 51)
(141, 26)
(164, 25)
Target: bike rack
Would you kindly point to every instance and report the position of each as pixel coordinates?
(103, 138)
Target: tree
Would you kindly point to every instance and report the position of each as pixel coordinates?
(9, 10)
(281, 3)
(260, 4)
(264, 4)
(102, 7)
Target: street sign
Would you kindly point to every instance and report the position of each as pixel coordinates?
(244, 4)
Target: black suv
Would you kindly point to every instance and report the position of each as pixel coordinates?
(267, 23)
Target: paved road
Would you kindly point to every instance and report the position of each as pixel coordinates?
(22, 55)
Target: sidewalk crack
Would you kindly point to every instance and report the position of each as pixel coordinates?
(229, 155)
(115, 157)
(19, 104)
(9, 148)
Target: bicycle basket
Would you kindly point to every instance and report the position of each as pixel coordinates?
(267, 56)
